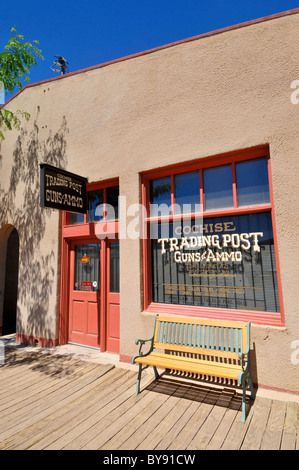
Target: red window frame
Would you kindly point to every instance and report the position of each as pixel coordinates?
(259, 317)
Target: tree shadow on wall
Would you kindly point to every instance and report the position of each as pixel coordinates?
(20, 205)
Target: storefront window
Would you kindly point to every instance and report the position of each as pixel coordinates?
(228, 262)
(223, 261)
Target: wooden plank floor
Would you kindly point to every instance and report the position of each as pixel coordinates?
(53, 402)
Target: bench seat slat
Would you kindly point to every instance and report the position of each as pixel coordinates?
(195, 360)
(200, 367)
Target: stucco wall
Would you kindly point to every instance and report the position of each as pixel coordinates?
(201, 98)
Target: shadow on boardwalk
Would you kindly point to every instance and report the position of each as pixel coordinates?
(51, 401)
(38, 361)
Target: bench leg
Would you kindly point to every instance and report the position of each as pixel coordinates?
(157, 375)
(138, 380)
(243, 419)
(251, 387)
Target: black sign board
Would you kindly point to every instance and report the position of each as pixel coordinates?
(62, 190)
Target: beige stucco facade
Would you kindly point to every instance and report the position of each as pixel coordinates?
(203, 97)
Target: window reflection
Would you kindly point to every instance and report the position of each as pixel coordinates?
(112, 203)
(187, 191)
(95, 198)
(76, 218)
(252, 182)
(218, 188)
(160, 190)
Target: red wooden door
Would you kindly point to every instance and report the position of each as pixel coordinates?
(85, 292)
(113, 298)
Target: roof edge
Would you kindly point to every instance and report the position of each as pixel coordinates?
(159, 48)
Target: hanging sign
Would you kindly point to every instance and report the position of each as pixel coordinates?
(85, 259)
(62, 190)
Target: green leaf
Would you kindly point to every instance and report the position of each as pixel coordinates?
(16, 61)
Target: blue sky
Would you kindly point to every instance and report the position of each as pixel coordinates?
(88, 33)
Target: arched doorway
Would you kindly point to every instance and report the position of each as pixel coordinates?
(9, 278)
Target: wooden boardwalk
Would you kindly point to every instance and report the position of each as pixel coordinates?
(53, 402)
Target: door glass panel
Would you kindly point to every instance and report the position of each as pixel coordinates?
(114, 267)
(87, 267)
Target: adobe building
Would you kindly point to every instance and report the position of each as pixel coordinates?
(190, 152)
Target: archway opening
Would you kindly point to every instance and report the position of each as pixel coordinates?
(11, 284)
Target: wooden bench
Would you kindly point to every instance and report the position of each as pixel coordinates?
(207, 347)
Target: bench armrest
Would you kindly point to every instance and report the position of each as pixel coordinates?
(245, 355)
(244, 358)
(242, 355)
(142, 342)
(246, 352)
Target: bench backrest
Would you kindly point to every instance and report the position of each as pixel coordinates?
(185, 334)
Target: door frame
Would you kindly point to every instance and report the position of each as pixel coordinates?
(100, 293)
(64, 301)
